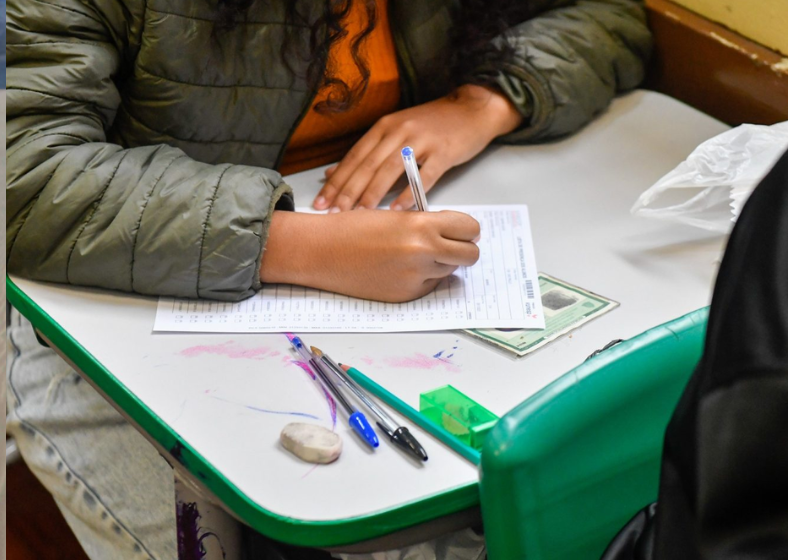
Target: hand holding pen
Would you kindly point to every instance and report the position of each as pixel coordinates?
(375, 254)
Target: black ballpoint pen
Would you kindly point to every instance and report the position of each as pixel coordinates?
(400, 435)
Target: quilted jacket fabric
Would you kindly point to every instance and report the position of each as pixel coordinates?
(142, 145)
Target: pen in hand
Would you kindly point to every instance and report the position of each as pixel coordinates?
(414, 179)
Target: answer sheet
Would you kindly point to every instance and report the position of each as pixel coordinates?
(500, 291)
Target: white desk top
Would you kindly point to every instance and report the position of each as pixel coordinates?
(579, 192)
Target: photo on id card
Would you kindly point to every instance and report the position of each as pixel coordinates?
(566, 307)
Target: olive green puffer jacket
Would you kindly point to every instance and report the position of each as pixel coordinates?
(141, 145)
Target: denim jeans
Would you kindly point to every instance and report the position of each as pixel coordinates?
(114, 489)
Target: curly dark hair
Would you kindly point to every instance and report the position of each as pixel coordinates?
(477, 24)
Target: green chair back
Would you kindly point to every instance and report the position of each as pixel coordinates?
(565, 470)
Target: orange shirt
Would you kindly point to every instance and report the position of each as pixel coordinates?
(325, 138)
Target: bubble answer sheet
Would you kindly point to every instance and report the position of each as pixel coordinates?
(500, 291)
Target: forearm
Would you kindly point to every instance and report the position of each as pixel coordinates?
(291, 252)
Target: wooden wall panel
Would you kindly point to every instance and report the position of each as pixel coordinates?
(714, 69)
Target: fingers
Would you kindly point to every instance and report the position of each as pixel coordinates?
(426, 287)
(345, 168)
(458, 226)
(372, 167)
(458, 253)
(432, 170)
(386, 175)
(441, 270)
(373, 177)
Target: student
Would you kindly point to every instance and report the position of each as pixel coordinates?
(145, 140)
(723, 491)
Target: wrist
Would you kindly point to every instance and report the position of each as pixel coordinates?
(287, 254)
(500, 113)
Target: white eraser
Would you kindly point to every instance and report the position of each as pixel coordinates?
(314, 444)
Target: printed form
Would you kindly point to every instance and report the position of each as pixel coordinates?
(500, 291)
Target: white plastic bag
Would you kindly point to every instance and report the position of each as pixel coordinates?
(710, 187)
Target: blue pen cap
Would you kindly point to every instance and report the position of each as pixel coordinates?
(407, 151)
(362, 427)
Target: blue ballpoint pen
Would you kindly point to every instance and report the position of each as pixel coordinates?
(356, 419)
(414, 179)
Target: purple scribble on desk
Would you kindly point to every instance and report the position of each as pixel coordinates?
(231, 350)
(332, 405)
(257, 409)
(422, 361)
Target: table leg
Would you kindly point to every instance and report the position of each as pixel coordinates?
(205, 530)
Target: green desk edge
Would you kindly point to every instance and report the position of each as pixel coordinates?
(286, 529)
(503, 437)
(562, 472)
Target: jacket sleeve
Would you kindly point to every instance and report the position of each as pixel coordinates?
(569, 62)
(87, 212)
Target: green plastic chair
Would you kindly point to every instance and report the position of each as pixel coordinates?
(566, 469)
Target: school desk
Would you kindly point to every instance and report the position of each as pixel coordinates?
(214, 404)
